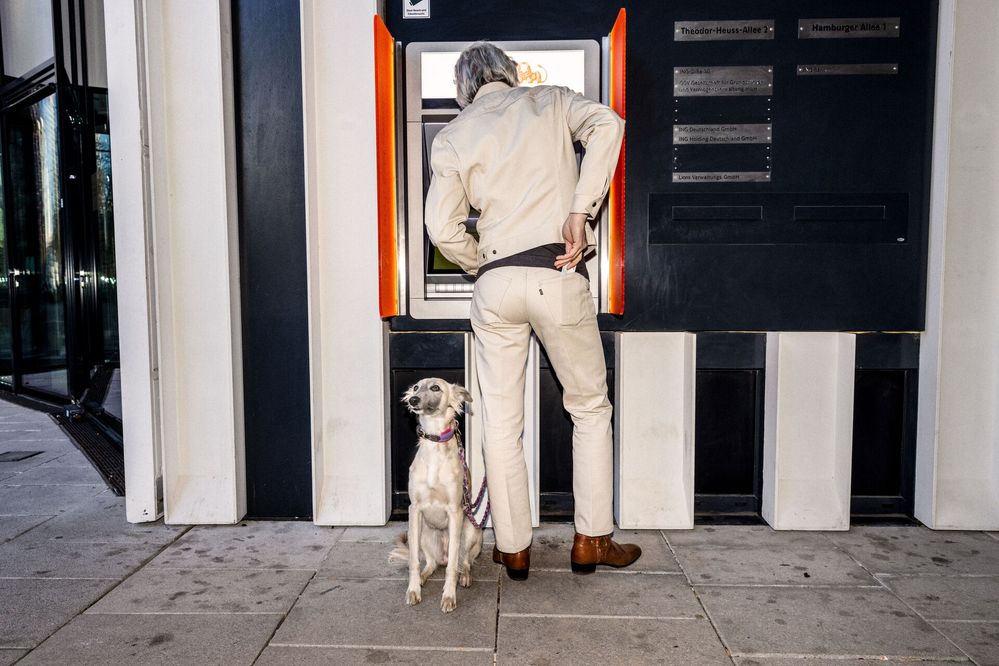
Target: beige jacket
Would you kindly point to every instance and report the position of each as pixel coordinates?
(509, 155)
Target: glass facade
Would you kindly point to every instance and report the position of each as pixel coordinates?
(58, 295)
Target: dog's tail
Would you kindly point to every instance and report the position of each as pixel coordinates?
(401, 551)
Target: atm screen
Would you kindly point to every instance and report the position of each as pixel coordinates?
(437, 263)
(555, 67)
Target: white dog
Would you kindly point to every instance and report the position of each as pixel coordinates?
(438, 525)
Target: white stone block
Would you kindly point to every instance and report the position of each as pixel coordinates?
(655, 379)
(808, 430)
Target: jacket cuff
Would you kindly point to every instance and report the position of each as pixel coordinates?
(585, 203)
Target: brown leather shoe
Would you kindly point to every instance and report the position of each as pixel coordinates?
(589, 551)
(517, 564)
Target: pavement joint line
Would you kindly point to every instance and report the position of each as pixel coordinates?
(833, 586)
(157, 567)
(333, 574)
(499, 588)
(423, 648)
(693, 590)
(900, 599)
(57, 578)
(19, 534)
(933, 574)
(284, 615)
(54, 483)
(613, 572)
(191, 612)
(575, 616)
(918, 659)
(933, 619)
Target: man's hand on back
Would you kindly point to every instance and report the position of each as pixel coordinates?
(575, 240)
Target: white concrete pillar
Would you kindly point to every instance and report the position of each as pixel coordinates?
(808, 430)
(192, 205)
(126, 80)
(957, 450)
(347, 338)
(655, 380)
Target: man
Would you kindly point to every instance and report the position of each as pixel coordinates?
(509, 153)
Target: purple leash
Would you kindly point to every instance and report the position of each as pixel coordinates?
(470, 506)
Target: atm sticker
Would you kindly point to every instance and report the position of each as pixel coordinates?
(419, 9)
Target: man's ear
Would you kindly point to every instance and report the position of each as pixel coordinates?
(459, 396)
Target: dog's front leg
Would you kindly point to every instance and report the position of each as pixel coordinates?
(413, 592)
(455, 517)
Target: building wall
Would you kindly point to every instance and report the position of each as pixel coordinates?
(958, 457)
(957, 462)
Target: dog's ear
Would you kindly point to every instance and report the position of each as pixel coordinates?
(459, 396)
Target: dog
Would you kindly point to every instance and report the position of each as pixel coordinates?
(438, 526)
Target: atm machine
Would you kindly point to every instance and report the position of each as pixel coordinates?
(416, 278)
(419, 287)
(436, 288)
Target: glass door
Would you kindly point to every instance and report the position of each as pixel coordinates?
(6, 344)
(35, 254)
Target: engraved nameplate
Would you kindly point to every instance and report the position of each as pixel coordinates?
(723, 81)
(711, 31)
(721, 176)
(721, 133)
(827, 28)
(862, 68)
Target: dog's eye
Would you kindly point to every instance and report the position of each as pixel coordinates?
(435, 387)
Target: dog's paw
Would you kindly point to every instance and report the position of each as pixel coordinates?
(465, 578)
(425, 574)
(413, 596)
(448, 602)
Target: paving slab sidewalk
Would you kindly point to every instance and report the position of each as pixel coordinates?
(80, 585)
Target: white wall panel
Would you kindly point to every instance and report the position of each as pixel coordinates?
(348, 343)
(957, 460)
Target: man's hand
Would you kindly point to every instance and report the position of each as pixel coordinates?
(575, 240)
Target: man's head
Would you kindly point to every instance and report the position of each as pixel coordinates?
(481, 63)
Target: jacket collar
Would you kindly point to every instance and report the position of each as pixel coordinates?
(491, 87)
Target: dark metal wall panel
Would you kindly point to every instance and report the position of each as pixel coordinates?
(267, 69)
(856, 142)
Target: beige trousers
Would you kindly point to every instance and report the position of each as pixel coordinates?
(507, 303)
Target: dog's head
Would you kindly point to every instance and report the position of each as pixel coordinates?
(435, 397)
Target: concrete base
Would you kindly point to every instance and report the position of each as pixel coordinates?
(654, 430)
(808, 430)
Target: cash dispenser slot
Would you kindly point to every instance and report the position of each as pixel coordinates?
(805, 213)
(694, 213)
(775, 218)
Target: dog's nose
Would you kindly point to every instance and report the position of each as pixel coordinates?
(414, 401)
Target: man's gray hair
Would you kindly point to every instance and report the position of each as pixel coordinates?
(481, 63)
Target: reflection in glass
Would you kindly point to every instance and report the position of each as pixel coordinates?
(26, 34)
(6, 343)
(33, 147)
(107, 281)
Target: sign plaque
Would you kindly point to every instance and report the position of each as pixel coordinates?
(722, 133)
(833, 28)
(721, 176)
(711, 31)
(863, 68)
(723, 81)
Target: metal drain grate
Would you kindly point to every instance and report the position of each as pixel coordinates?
(14, 456)
(102, 452)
